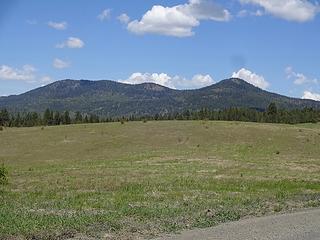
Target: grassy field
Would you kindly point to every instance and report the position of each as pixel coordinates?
(139, 179)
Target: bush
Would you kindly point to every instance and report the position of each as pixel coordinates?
(1, 128)
(3, 175)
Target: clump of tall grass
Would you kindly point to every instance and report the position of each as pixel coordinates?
(3, 175)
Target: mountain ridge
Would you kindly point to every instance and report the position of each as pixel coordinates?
(112, 99)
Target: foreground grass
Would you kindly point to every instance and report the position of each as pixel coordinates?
(142, 179)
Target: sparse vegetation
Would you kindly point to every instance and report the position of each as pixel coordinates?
(141, 180)
(3, 175)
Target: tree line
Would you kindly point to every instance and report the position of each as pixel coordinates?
(48, 118)
(270, 115)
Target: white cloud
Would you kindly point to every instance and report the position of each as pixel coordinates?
(58, 25)
(197, 81)
(245, 13)
(26, 73)
(299, 78)
(251, 78)
(258, 13)
(60, 64)
(312, 96)
(291, 10)
(138, 78)
(72, 42)
(104, 15)
(124, 18)
(46, 80)
(166, 80)
(179, 20)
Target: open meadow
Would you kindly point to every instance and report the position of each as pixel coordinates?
(138, 180)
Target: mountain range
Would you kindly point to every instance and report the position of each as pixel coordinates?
(112, 99)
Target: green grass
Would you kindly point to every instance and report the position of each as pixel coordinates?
(141, 179)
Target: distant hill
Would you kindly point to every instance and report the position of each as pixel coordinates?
(109, 98)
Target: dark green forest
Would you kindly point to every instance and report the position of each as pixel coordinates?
(110, 99)
(270, 115)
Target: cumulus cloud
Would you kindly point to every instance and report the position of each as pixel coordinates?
(60, 64)
(45, 80)
(124, 18)
(179, 20)
(161, 79)
(197, 81)
(291, 10)
(245, 13)
(72, 42)
(104, 15)
(26, 73)
(251, 78)
(58, 25)
(174, 82)
(310, 95)
(298, 78)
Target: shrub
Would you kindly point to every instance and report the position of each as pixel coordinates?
(3, 175)
(1, 128)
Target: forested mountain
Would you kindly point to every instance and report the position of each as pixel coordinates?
(111, 99)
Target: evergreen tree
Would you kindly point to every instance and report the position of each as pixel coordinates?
(272, 112)
(4, 117)
(57, 118)
(86, 119)
(66, 118)
(48, 117)
(78, 118)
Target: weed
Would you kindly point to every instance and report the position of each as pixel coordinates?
(3, 175)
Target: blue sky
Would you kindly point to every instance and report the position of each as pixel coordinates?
(181, 44)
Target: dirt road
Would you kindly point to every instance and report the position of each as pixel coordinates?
(303, 225)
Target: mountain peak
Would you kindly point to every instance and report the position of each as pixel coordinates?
(115, 99)
(153, 86)
(237, 81)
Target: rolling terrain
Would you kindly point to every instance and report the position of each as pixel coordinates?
(136, 180)
(114, 99)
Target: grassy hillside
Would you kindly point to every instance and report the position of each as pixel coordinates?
(141, 179)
